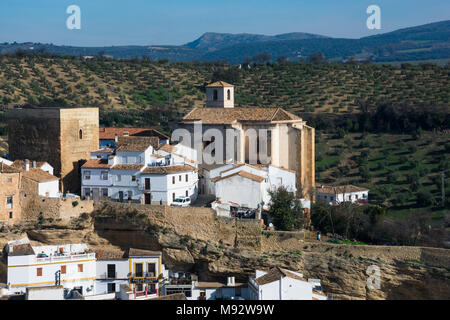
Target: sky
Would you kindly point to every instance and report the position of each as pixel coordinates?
(176, 22)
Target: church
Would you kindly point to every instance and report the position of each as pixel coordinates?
(286, 140)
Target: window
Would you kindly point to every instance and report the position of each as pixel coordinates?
(133, 178)
(119, 177)
(215, 95)
(138, 270)
(9, 180)
(105, 192)
(39, 272)
(139, 287)
(187, 178)
(151, 288)
(111, 271)
(104, 175)
(80, 134)
(111, 287)
(151, 269)
(10, 215)
(87, 175)
(179, 178)
(80, 268)
(350, 197)
(130, 194)
(9, 202)
(228, 94)
(187, 193)
(87, 192)
(63, 269)
(173, 180)
(173, 196)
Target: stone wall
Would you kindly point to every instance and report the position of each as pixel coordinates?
(10, 186)
(53, 135)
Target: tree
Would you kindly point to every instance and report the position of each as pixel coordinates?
(317, 58)
(285, 210)
(424, 198)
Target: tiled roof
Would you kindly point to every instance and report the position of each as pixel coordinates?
(132, 252)
(21, 250)
(167, 148)
(127, 167)
(109, 254)
(219, 84)
(38, 175)
(4, 168)
(212, 284)
(19, 163)
(110, 133)
(138, 144)
(276, 274)
(103, 151)
(168, 169)
(96, 163)
(243, 174)
(231, 115)
(340, 189)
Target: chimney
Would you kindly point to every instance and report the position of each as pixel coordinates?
(33, 164)
(230, 281)
(116, 138)
(26, 165)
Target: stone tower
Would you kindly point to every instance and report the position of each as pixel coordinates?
(220, 95)
(63, 137)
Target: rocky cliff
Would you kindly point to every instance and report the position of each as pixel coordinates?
(193, 239)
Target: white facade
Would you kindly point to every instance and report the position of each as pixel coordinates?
(141, 273)
(336, 195)
(252, 189)
(282, 284)
(49, 188)
(71, 266)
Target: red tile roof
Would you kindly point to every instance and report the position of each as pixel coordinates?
(339, 189)
(38, 175)
(276, 274)
(243, 174)
(168, 169)
(110, 133)
(231, 115)
(96, 164)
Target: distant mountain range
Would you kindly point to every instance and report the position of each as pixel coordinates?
(425, 42)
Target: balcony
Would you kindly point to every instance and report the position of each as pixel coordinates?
(109, 276)
(66, 257)
(142, 275)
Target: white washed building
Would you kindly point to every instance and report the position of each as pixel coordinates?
(70, 265)
(136, 172)
(282, 284)
(335, 195)
(140, 271)
(248, 185)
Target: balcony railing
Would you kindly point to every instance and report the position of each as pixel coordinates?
(108, 275)
(66, 257)
(142, 275)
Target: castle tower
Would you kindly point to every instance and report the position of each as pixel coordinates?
(64, 137)
(220, 95)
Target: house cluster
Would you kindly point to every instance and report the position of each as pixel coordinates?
(73, 271)
(22, 181)
(135, 170)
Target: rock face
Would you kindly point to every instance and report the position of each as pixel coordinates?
(194, 240)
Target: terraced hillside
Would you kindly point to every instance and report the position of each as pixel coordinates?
(157, 93)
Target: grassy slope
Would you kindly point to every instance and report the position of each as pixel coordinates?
(386, 152)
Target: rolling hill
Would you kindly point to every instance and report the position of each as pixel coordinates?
(425, 42)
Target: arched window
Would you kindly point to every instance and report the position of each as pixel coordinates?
(215, 95)
(228, 94)
(80, 134)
